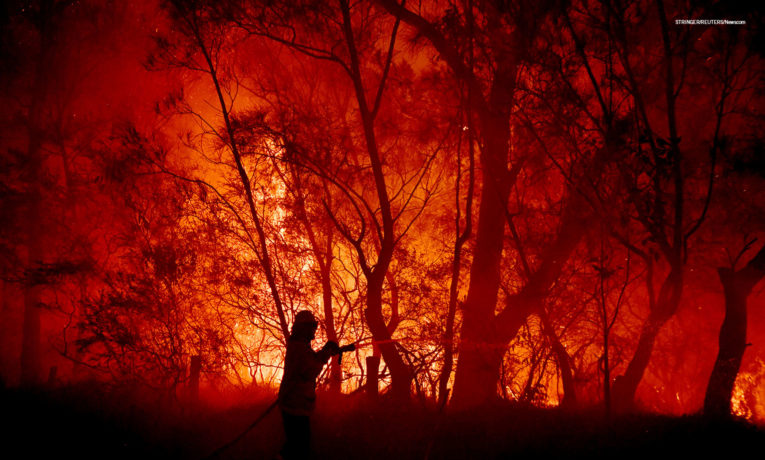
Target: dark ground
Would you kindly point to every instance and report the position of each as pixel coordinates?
(83, 423)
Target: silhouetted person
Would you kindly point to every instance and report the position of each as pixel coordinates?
(297, 392)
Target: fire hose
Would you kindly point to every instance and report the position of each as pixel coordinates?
(241, 435)
(343, 349)
(219, 450)
(340, 351)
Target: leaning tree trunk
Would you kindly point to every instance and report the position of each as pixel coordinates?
(401, 377)
(737, 285)
(625, 386)
(562, 358)
(264, 258)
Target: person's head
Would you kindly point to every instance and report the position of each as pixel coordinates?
(304, 326)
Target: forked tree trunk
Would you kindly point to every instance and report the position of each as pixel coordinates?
(477, 372)
(475, 380)
(401, 377)
(737, 285)
(563, 360)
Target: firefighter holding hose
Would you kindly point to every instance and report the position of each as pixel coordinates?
(297, 392)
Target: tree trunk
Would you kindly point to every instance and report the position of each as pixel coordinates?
(400, 376)
(324, 259)
(625, 386)
(31, 360)
(475, 383)
(736, 286)
(461, 239)
(335, 369)
(399, 371)
(563, 360)
(263, 256)
(448, 340)
(477, 371)
(31, 350)
(373, 365)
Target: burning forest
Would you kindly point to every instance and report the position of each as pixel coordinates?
(487, 228)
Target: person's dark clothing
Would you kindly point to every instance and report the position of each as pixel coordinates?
(297, 392)
(298, 431)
